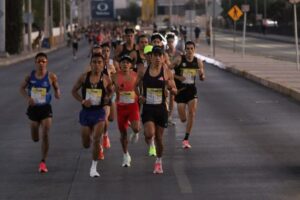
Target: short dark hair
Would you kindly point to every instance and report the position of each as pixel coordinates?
(189, 42)
(41, 54)
(142, 36)
(97, 55)
(129, 30)
(106, 44)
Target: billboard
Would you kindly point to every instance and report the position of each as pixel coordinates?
(147, 10)
(102, 9)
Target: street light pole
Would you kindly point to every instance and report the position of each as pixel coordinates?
(29, 26)
(2, 28)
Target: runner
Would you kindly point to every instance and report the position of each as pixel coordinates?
(110, 108)
(138, 56)
(127, 105)
(96, 89)
(172, 54)
(155, 115)
(75, 40)
(36, 89)
(127, 47)
(186, 68)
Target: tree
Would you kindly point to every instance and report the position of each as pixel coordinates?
(132, 13)
(14, 26)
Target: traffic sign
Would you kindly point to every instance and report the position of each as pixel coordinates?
(294, 1)
(235, 13)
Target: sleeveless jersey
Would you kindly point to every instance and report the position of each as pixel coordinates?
(39, 89)
(154, 88)
(187, 69)
(93, 92)
(126, 94)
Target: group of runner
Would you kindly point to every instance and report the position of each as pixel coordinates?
(131, 80)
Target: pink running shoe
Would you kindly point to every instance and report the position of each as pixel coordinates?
(106, 142)
(101, 153)
(158, 168)
(186, 144)
(43, 167)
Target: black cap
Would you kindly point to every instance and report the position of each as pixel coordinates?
(158, 50)
(126, 57)
(156, 36)
(129, 30)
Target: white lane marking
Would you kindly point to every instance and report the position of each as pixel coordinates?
(182, 179)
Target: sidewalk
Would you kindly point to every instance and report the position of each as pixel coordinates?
(281, 76)
(12, 59)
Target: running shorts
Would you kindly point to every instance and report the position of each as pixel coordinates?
(91, 117)
(155, 113)
(127, 113)
(40, 112)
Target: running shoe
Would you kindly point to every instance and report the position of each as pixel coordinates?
(171, 122)
(101, 153)
(106, 142)
(126, 160)
(134, 137)
(186, 144)
(93, 172)
(152, 150)
(43, 167)
(158, 168)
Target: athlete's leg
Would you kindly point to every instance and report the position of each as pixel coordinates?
(192, 106)
(181, 111)
(34, 127)
(46, 124)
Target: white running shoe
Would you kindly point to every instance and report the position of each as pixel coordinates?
(126, 160)
(93, 172)
(134, 137)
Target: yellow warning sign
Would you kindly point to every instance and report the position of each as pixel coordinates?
(235, 13)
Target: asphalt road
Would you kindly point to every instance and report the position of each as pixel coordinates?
(245, 140)
(272, 48)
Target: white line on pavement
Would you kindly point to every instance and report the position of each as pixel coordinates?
(182, 179)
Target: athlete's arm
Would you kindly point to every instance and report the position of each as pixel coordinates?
(176, 62)
(167, 60)
(76, 88)
(201, 70)
(55, 85)
(170, 83)
(23, 91)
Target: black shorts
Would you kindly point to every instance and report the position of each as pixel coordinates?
(75, 46)
(38, 113)
(155, 113)
(187, 94)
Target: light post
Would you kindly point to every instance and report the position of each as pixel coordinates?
(294, 2)
(2, 29)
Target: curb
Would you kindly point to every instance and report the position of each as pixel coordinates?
(19, 58)
(278, 87)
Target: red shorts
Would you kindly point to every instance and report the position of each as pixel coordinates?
(127, 113)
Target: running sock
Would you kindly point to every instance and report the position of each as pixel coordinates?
(186, 137)
(158, 160)
(94, 163)
(152, 142)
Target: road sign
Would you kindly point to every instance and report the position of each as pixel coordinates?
(245, 7)
(102, 9)
(218, 10)
(235, 13)
(294, 1)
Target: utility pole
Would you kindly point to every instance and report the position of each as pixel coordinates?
(29, 25)
(2, 29)
(61, 20)
(71, 16)
(265, 9)
(64, 18)
(46, 19)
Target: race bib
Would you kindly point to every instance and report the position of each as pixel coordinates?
(127, 97)
(154, 96)
(94, 95)
(189, 75)
(38, 95)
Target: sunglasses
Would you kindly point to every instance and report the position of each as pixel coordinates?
(96, 62)
(41, 61)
